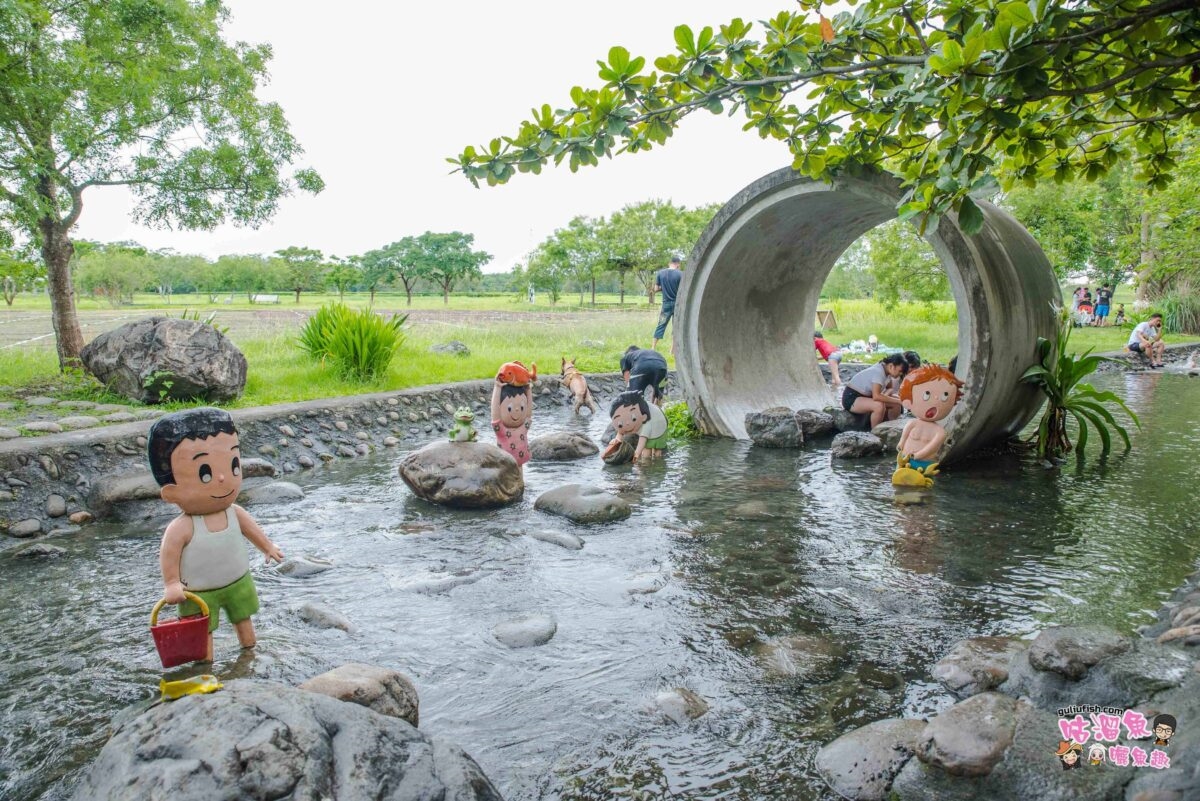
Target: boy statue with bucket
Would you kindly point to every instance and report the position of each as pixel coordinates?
(195, 459)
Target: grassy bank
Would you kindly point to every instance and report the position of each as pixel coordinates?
(280, 372)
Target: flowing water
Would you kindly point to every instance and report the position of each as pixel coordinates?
(751, 544)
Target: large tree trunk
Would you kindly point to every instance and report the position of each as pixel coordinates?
(297, 294)
(1147, 261)
(621, 283)
(593, 290)
(372, 303)
(408, 293)
(56, 252)
(445, 294)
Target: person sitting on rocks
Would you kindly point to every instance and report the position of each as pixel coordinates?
(1147, 340)
(864, 392)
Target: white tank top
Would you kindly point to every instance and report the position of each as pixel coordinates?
(211, 561)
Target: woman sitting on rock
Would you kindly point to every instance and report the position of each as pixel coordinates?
(864, 393)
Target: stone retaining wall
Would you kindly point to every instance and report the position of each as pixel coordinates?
(54, 484)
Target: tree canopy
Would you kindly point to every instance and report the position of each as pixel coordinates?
(138, 93)
(949, 95)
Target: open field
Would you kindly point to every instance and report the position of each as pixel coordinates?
(495, 328)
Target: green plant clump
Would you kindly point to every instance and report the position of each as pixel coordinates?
(358, 343)
(680, 423)
(1180, 309)
(1059, 373)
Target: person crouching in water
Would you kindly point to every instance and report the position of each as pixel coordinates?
(864, 392)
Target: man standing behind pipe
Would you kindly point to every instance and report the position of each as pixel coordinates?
(667, 281)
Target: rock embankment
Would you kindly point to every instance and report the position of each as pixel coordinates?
(999, 740)
(55, 483)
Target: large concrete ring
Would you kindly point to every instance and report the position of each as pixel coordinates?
(744, 323)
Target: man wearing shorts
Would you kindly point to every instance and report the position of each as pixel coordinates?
(1103, 303)
(668, 282)
(1147, 339)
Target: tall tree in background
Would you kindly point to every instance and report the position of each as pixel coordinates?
(251, 274)
(16, 273)
(903, 265)
(949, 96)
(305, 268)
(398, 261)
(447, 259)
(343, 273)
(138, 93)
(549, 268)
(642, 237)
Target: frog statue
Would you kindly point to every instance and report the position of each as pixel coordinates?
(462, 431)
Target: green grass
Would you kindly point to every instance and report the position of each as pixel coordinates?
(281, 372)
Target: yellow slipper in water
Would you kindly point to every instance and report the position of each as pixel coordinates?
(196, 685)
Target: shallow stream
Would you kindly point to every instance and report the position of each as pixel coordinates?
(751, 544)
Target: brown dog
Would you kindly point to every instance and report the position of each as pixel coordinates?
(575, 382)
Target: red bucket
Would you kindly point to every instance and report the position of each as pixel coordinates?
(184, 639)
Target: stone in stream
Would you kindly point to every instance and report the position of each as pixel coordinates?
(889, 433)
(802, 656)
(323, 617)
(562, 446)
(253, 467)
(40, 550)
(386, 691)
(1071, 650)
(862, 763)
(645, 583)
(776, 427)
(258, 739)
(855, 445)
(109, 491)
(275, 492)
(25, 528)
(582, 504)
(56, 505)
(978, 664)
(470, 475)
(431, 583)
(814, 424)
(526, 631)
(164, 358)
(560, 538)
(680, 705)
(969, 738)
(301, 566)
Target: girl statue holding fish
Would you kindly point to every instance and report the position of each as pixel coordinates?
(512, 409)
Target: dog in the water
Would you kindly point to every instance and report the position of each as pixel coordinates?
(575, 382)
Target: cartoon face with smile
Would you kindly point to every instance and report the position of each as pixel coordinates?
(207, 473)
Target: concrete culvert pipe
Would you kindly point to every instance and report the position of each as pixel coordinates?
(744, 324)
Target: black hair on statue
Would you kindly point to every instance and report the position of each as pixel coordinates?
(511, 391)
(170, 430)
(631, 348)
(630, 398)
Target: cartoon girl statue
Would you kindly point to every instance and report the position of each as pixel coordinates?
(633, 413)
(512, 409)
(1096, 754)
(1069, 753)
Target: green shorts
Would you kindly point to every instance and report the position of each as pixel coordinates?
(658, 443)
(239, 600)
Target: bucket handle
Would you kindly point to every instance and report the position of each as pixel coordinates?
(191, 596)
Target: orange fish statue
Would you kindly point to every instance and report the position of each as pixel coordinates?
(515, 374)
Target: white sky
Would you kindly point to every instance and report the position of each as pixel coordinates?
(379, 94)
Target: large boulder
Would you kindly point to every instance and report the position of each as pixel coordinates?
(1071, 650)
(562, 446)
(162, 358)
(263, 740)
(862, 764)
(890, 431)
(970, 738)
(977, 665)
(774, 428)
(466, 475)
